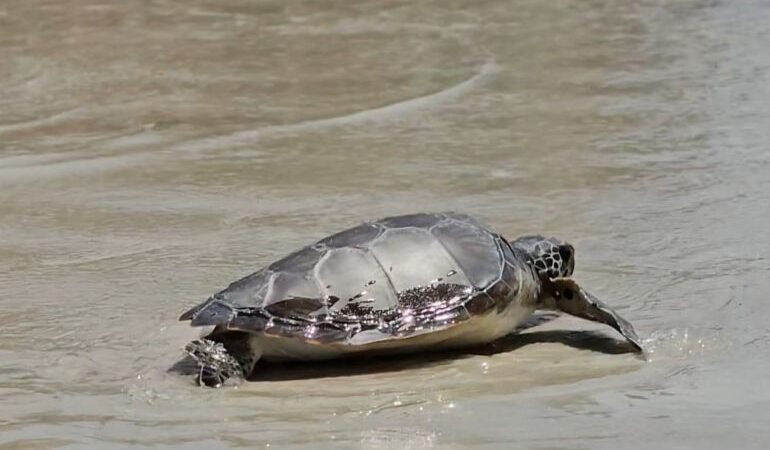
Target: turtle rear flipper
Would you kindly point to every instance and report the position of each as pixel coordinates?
(228, 357)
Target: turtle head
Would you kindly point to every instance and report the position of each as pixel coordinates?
(549, 257)
(554, 261)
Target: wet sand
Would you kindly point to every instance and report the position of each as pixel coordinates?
(150, 153)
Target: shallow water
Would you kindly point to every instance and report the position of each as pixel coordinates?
(151, 152)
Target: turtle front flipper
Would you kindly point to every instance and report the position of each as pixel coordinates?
(221, 358)
(564, 294)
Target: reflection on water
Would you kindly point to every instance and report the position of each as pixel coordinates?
(150, 153)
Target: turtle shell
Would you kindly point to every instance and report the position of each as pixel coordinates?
(391, 278)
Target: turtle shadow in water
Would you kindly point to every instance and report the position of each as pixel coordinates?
(583, 340)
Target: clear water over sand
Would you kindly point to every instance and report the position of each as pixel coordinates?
(152, 152)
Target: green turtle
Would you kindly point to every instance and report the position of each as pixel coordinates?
(400, 284)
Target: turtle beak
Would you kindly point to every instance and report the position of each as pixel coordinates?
(572, 299)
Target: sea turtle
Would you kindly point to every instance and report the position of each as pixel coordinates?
(400, 284)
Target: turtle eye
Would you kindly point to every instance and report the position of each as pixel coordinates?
(565, 252)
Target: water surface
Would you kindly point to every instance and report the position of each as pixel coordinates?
(152, 152)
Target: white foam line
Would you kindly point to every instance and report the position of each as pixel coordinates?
(48, 120)
(70, 167)
(381, 113)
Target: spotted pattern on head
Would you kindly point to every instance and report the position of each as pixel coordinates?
(548, 256)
